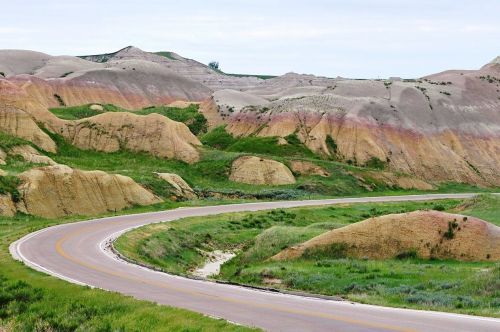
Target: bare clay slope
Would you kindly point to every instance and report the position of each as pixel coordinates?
(430, 234)
(56, 191)
(189, 68)
(442, 127)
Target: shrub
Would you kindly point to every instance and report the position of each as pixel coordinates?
(450, 233)
(214, 65)
(218, 138)
(438, 207)
(293, 139)
(59, 100)
(376, 163)
(8, 185)
(411, 254)
(431, 299)
(331, 145)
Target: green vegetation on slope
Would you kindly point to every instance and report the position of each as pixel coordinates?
(167, 55)
(263, 77)
(190, 116)
(219, 138)
(8, 141)
(83, 111)
(465, 287)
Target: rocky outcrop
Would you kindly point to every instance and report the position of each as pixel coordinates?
(7, 207)
(429, 234)
(307, 168)
(31, 155)
(57, 191)
(153, 133)
(180, 188)
(16, 122)
(256, 170)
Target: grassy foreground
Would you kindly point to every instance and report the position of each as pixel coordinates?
(32, 301)
(464, 287)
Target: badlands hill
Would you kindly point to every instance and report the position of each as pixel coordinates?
(429, 234)
(443, 127)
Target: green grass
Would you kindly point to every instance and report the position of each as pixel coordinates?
(32, 301)
(195, 121)
(465, 287)
(8, 141)
(220, 139)
(83, 111)
(190, 115)
(167, 55)
(264, 77)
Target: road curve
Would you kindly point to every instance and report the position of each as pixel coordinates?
(78, 253)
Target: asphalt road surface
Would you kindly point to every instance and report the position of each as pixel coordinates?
(79, 253)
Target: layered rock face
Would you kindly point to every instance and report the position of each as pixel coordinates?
(255, 170)
(443, 127)
(430, 234)
(18, 123)
(57, 191)
(153, 133)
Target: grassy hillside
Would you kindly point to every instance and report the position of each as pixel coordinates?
(465, 287)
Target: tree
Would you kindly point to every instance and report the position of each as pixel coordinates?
(214, 65)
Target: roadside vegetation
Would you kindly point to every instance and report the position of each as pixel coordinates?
(33, 301)
(407, 281)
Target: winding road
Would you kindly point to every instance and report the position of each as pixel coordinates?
(79, 253)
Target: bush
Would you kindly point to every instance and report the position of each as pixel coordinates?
(8, 185)
(331, 145)
(214, 65)
(438, 207)
(411, 254)
(431, 299)
(59, 100)
(375, 163)
(218, 138)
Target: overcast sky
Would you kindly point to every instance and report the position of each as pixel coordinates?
(351, 38)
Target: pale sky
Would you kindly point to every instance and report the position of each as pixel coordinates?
(350, 38)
